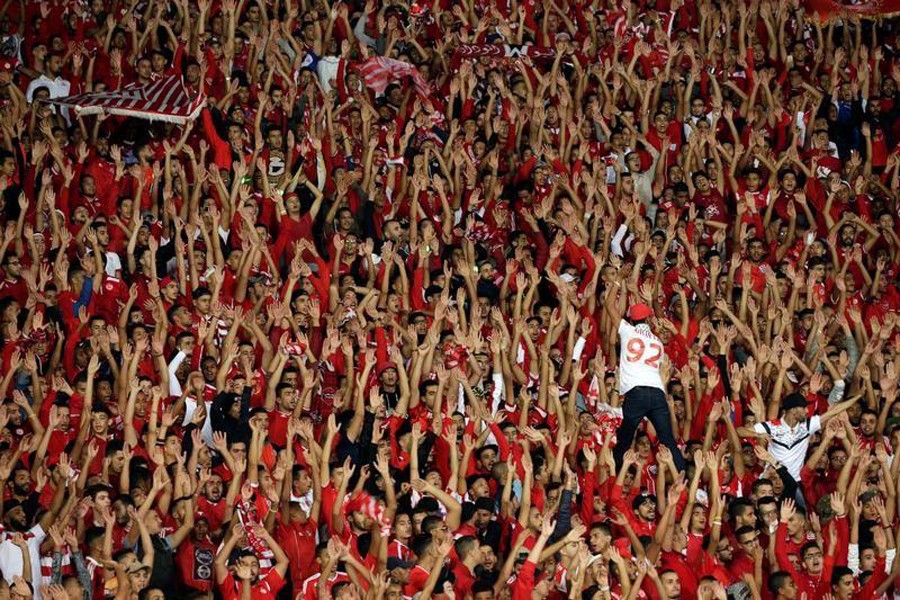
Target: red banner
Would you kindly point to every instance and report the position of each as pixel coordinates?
(504, 51)
(832, 9)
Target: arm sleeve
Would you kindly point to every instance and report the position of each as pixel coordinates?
(84, 298)
(56, 569)
(616, 244)
(359, 30)
(174, 385)
(587, 498)
(502, 442)
(221, 151)
(852, 351)
(564, 517)
(578, 349)
(837, 392)
(790, 484)
(853, 558)
(496, 392)
(781, 555)
(842, 528)
(617, 501)
(84, 577)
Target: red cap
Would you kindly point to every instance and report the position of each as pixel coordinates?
(8, 65)
(384, 366)
(166, 281)
(639, 312)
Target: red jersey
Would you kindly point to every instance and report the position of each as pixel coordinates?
(266, 588)
(298, 540)
(194, 561)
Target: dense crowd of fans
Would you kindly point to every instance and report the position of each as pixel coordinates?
(327, 342)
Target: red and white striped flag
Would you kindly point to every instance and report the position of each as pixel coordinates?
(370, 507)
(167, 99)
(379, 72)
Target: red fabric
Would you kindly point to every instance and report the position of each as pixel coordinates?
(828, 9)
(166, 99)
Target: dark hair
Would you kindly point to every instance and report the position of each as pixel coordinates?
(93, 534)
(778, 580)
(118, 554)
(421, 543)
(602, 527)
(807, 547)
(759, 483)
(92, 491)
(465, 545)
(482, 585)
(428, 383)
(430, 523)
(743, 530)
(838, 572)
(114, 446)
(738, 507)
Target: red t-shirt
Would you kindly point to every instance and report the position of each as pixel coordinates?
(278, 423)
(464, 580)
(195, 563)
(417, 578)
(264, 589)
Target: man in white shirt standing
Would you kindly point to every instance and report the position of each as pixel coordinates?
(641, 354)
(789, 436)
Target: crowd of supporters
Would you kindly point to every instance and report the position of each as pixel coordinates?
(357, 330)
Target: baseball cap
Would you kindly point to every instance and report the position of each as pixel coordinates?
(793, 400)
(136, 567)
(639, 312)
(385, 365)
(640, 499)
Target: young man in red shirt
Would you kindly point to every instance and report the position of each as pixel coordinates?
(244, 571)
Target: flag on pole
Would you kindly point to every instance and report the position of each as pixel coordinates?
(167, 99)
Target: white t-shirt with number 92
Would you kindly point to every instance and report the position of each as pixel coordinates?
(641, 355)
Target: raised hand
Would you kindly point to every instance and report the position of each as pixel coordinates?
(788, 510)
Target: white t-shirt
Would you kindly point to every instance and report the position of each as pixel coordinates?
(788, 445)
(11, 557)
(640, 357)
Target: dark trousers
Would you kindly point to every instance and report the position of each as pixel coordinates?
(647, 402)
